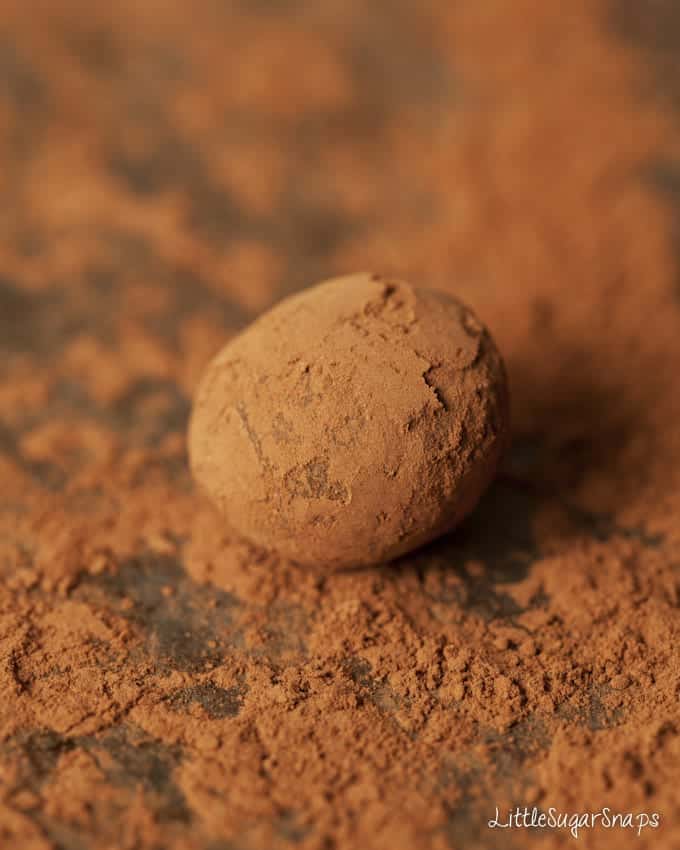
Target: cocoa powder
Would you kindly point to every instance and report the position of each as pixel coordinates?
(167, 686)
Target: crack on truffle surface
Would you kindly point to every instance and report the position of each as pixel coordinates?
(438, 394)
(311, 481)
(252, 436)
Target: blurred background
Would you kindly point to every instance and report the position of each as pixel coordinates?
(169, 170)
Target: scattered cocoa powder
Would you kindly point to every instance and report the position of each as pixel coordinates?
(165, 685)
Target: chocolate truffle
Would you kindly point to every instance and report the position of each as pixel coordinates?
(352, 422)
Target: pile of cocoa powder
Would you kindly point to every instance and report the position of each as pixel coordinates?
(168, 173)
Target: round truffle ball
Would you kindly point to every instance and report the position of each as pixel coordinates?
(352, 422)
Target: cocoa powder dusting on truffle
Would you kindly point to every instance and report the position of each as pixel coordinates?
(352, 423)
(164, 685)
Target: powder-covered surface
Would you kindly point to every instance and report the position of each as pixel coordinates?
(169, 170)
(352, 423)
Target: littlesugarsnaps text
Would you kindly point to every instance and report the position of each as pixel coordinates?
(552, 818)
